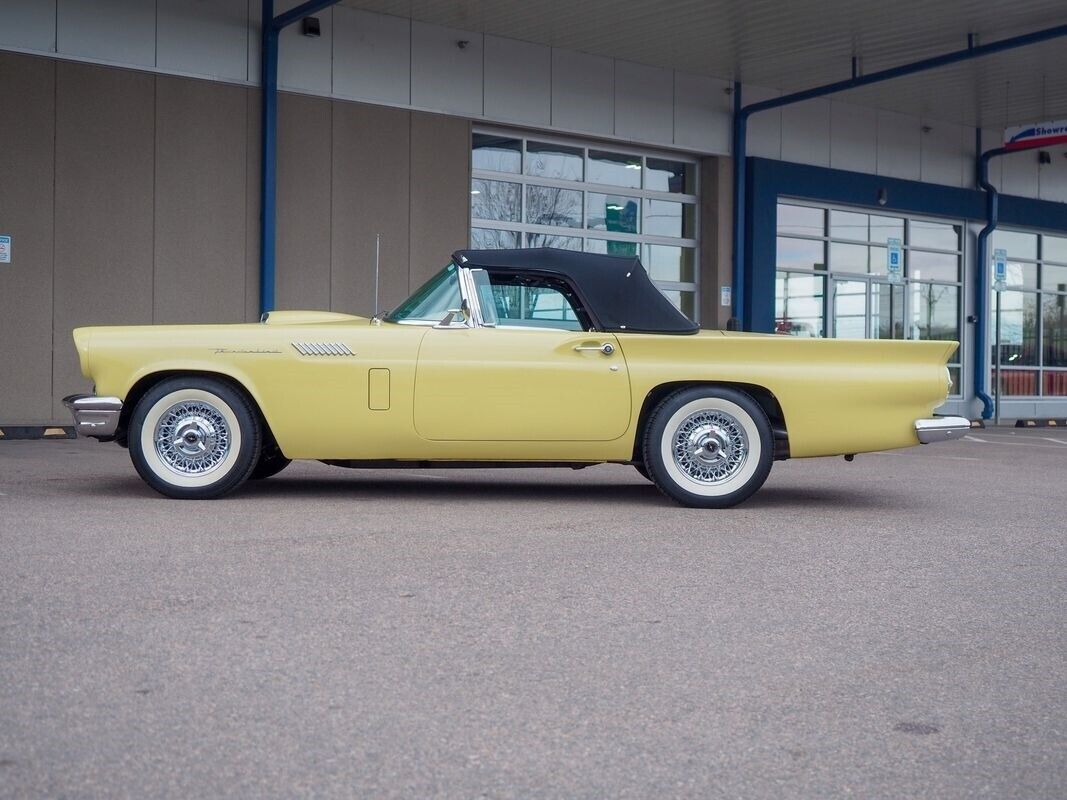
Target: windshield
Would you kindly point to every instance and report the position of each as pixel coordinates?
(433, 300)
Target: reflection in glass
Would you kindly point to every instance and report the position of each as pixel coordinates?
(1021, 273)
(496, 200)
(1053, 278)
(677, 177)
(668, 263)
(548, 205)
(933, 266)
(1018, 244)
(885, 228)
(496, 153)
(935, 312)
(1055, 384)
(554, 161)
(615, 169)
(610, 247)
(1054, 248)
(609, 212)
(801, 253)
(887, 310)
(683, 301)
(1018, 328)
(798, 304)
(938, 235)
(551, 240)
(801, 220)
(848, 225)
(850, 309)
(954, 376)
(491, 239)
(848, 257)
(667, 218)
(1054, 330)
(1018, 382)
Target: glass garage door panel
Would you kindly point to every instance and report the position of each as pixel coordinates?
(850, 309)
(887, 311)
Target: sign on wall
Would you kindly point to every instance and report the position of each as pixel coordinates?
(1000, 269)
(1040, 135)
(894, 260)
(5, 249)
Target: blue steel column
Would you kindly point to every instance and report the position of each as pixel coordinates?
(740, 161)
(268, 158)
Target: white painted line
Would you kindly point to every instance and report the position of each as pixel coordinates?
(975, 439)
(1050, 439)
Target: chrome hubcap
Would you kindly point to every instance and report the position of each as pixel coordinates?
(710, 446)
(192, 437)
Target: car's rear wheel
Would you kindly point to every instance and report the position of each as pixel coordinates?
(194, 438)
(708, 447)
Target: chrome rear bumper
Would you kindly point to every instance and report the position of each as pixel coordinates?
(941, 429)
(94, 416)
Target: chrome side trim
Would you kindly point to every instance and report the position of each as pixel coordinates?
(322, 349)
(941, 429)
(94, 416)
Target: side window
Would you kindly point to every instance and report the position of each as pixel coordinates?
(525, 301)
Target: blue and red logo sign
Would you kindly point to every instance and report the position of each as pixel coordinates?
(1043, 134)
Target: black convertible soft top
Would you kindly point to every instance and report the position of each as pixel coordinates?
(616, 290)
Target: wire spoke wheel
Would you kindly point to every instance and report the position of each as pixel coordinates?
(710, 446)
(192, 438)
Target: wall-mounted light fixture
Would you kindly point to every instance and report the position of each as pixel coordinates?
(883, 196)
(928, 128)
(1044, 157)
(309, 26)
(463, 44)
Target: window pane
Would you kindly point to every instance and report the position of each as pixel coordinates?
(879, 260)
(933, 266)
(1018, 329)
(801, 253)
(610, 247)
(489, 239)
(1054, 278)
(614, 168)
(554, 161)
(496, 153)
(1021, 273)
(683, 301)
(798, 304)
(551, 240)
(801, 220)
(885, 228)
(1055, 384)
(665, 218)
(667, 263)
(848, 225)
(887, 311)
(496, 200)
(1018, 382)
(850, 309)
(954, 376)
(935, 312)
(934, 234)
(547, 205)
(1054, 332)
(1018, 245)
(1054, 248)
(670, 176)
(848, 257)
(609, 212)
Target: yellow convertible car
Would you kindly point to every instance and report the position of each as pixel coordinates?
(504, 358)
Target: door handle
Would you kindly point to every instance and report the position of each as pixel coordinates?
(607, 348)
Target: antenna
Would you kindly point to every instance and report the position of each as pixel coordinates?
(377, 260)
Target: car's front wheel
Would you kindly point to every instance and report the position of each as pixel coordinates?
(708, 447)
(194, 438)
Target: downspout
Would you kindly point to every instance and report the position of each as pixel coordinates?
(981, 282)
(272, 27)
(744, 112)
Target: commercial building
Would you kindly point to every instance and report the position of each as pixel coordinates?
(131, 165)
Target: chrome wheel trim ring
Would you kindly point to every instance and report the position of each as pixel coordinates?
(729, 453)
(190, 438)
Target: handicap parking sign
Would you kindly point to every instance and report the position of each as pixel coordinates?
(894, 260)
(1000, 269)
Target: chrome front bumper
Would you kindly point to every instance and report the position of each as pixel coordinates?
(941, 429)
(94, 416)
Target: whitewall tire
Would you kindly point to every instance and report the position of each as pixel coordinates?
(194, 437)
(708, 447)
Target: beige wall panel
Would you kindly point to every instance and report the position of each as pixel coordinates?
(252, 151)
(200, 202)
(26, 176)
(103, 207)
(716, 239)
(440, 192)
(304, 185)
(371, 173)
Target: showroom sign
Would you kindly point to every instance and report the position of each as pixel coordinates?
(1040, 135)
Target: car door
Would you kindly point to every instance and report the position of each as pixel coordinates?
(520, 384)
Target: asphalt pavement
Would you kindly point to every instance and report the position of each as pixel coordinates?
(893, 627)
